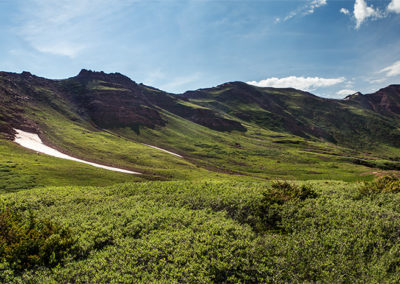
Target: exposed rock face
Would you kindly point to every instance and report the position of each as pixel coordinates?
(114, 113)
(15, 93)
(112, 100)
(386, 101)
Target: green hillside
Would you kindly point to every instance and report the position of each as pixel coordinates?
(233, 129)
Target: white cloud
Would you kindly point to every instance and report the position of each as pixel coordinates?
(302, 83)
(392, 70)
(394, 6)
(304, 10)
(362, 11)
(345, 92)
(344, 11)
(315, 4)
(377, 81)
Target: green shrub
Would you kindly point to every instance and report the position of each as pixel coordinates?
(386, 184)
(283, 191)
(26, 241)
(280, 193)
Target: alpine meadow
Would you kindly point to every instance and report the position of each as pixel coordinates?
(292, 178)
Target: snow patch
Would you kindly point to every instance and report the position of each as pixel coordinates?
(166, 151)
(32, 141)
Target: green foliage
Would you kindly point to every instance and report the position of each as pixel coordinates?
(209, 232)
(283, 191)
(27, 242)
(385, 184)
(280, 193)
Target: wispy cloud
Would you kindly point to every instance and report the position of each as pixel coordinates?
(181, 83)
(63, 27)
(392, 70)
(377, 81)
(304, 10)
(345, 92)
(302, 83)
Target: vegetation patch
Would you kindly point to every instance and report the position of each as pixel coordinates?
(12, 179)
(379, 164)
(280, 193)
(202, 232)
(385, 184)
(27, 242)
(283, 191)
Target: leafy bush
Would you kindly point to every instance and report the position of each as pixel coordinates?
(280, 193)
(283, 191)
(386, 184)
(26, 241)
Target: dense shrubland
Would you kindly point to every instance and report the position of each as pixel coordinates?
(27, 242)
(217, 232)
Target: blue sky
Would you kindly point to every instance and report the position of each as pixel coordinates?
(330, 48)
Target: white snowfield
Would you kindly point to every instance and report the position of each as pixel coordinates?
(32, 141)
(166, 151)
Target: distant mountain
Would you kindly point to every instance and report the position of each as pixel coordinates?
(386, 101)
(355, 121)
(112, 101)
(108, 100)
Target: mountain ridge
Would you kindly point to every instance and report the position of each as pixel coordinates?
(231, 129)
(113, 100)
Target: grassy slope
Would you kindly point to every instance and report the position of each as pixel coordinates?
(62, 128)
(79, 138)
(23, 169)
(212, 232)
(347, 123)
(258, 152)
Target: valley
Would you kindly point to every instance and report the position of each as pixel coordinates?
(233, 183)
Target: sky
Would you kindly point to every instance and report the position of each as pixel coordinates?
(329, 48)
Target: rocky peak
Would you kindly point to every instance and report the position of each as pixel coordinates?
(89, 75)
